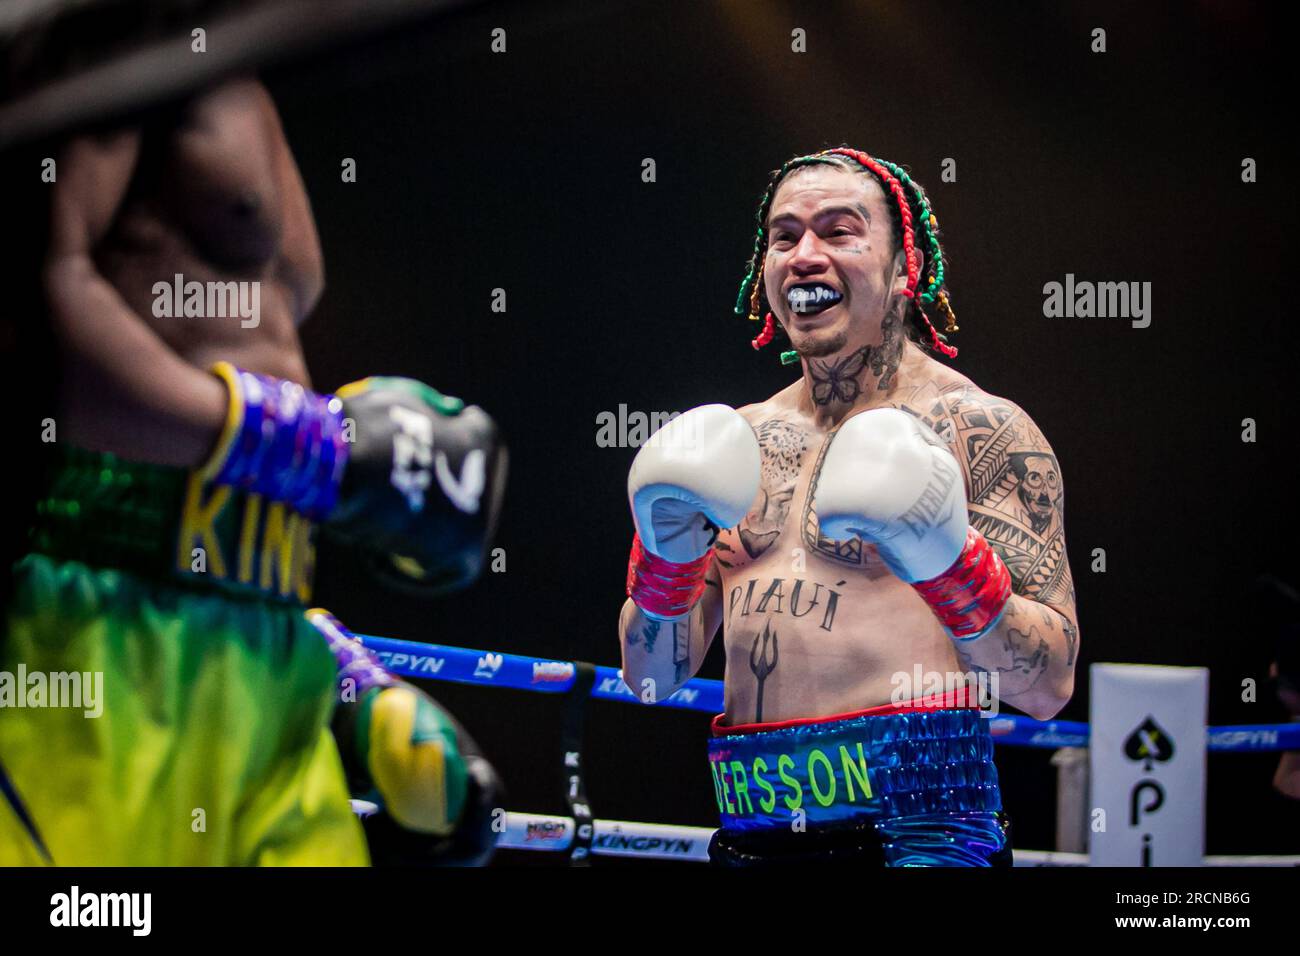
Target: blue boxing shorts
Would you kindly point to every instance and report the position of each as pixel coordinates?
(897, 785)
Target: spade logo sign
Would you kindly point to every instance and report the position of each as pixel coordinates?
(1149, 744)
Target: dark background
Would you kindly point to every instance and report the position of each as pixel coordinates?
(522, 171)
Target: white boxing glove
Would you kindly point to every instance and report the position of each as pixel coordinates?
(696, 475)
(890, 480)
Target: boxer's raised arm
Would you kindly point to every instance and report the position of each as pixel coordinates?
(1017, 501)
(125, 390)
(697, 474)
(987, 554)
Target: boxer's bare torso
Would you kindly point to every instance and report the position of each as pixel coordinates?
(213, 194)
(817, 627)
(221, 199)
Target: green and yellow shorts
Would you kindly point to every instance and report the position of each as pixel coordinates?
(163, 699)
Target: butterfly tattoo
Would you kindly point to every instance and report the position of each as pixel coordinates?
(836, 380)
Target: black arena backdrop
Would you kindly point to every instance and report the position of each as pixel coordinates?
(522, 172)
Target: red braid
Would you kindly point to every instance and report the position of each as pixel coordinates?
(909, 243)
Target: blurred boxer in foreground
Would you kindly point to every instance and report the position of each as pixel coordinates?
(171, 546)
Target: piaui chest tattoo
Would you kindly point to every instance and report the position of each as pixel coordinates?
(791, 598)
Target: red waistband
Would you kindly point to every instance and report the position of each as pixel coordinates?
(959, 698)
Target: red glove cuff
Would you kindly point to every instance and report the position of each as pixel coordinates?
(969, 597)
(664, 588)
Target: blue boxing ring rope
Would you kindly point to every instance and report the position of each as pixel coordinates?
(527, 831)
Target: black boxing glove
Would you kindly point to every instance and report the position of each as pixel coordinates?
(422, 491)
(409, 476)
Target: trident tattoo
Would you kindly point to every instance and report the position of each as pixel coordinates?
(761, 666)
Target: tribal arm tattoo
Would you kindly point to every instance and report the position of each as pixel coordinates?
(1016, 500)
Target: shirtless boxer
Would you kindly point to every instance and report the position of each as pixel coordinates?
(826, 532)
(172, 546)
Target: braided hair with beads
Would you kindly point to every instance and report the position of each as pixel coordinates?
(907, 212)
